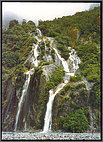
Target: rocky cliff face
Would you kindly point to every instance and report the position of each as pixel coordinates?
(10, 103)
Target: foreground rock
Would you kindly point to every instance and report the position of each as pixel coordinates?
(49, 136)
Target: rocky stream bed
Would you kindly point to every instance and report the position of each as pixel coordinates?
(49, 136)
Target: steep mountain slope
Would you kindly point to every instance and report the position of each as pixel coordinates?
(67, 62)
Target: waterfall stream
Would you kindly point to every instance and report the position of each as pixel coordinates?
(52, 93)
(48, 115)
(74, 59)
(24, 91)
(35, 47)
(35, 55)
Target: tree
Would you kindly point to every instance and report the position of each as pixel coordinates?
(13, 23)
(75, 122)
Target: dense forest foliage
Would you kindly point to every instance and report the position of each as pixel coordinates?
(17, 42)
(65, 28)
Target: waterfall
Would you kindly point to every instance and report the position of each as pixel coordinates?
(52, 93)
(48, 115)
(35, 55)
(64, 63)
(39, 32)
(24, 91)
(74, 59)
(35, 46)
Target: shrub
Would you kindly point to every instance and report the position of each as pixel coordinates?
(57, 76)
(55, 79)
(75, 122)
(47, 43)
(42, 47)
(90, 66)
(20, 77)
(65, 89)
(38, 70)
(95, 95)
(83, 92)
(49, 85)
(61, 106)
(53, 54)
(45, 63)
(10, 59)
(72, 94)
(76, 78)
(64, 51)
(80, 85)
(93, 78)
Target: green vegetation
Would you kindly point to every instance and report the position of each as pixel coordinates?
(28, 26)
(19, 71)
(64, 51)
(47, 43)
(65, 31)
(65, 89)
(75, 122)
(38, 70)
(90, 66)
(53, 54)
(76, 78)
(55, 79)
(43, 98)
(95, 96)
(71, 90)
(42, 47)
(87, 22)
(72, 111)
(45, 63)
(16, 45)
(80, 86)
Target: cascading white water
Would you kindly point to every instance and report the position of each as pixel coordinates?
(25, 87)
(35, 46)
(39, 32)
(64, 63)
(74, 59)
(52, 94)
(35, 55)
(48, 115)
